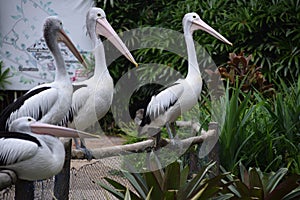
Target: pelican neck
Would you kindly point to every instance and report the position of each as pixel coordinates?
(193, 67)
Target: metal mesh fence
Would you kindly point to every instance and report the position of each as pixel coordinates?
(84, 179)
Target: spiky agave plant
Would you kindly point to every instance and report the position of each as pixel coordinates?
(254, 184)
(169, 183)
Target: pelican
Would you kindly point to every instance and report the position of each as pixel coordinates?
(92, 102)
(48, 102)
(31, 149)
(181, 96)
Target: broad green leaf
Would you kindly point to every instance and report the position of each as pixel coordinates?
(244, 174)
(242, 189)
(224, 196)
(113, 191)
(149, 194)
(214, 185)
(191, 186)
(170, 194)
(156, 169)
(139, 186)
(256, 185)
(295, 194)
(184, 175)
(127, 195)
(198, 195)
(284, 188)
(120, 188)
(172, 177)
(275, 179)
(157, 192)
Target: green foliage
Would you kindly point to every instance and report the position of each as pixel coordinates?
(261, 131)
(267, 29)
(254, 184)
(284, 110)
(169, 183)
(173, 182)
(3, 79)
(234, 134)
(3, 76)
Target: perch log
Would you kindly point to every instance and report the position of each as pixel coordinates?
(104, 152)
(62, 180)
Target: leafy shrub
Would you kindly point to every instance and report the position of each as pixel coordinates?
(261, 131)
(250, 76)
(3, 79)
(267, 29)
(254, 184)
(169, 183)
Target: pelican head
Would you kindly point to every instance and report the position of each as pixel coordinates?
(30, 125)
(97, 25)
(91, 19)
(21, 124)
(54, 32)
(192, 22)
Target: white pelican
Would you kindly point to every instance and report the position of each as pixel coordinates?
(92, 102)
(181, 96)
(33, 156)
(48, 102)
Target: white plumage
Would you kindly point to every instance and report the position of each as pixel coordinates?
(91, 102)
(166, 106)
(49, 102)
(33, 156)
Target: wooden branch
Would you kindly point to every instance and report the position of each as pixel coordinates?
(7, 178)
(105, 152)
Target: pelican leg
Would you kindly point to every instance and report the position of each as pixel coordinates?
(169, 131)
(172, 127)
(87, 152)
(76, 143)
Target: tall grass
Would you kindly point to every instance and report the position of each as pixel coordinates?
(285, 112)
(234, 134)
(262, 132)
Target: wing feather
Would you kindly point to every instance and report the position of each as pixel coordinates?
(79, 99)
(37, 105)
(16, 147)
(17, 104)
(161, 102)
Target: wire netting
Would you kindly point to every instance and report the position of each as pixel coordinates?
(83, 181)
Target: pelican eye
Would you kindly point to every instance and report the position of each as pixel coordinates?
(29, 119)
(98, 14)
(194, 16)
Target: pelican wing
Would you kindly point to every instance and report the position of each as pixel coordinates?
(79, 98)
(36, 105)
(161, 102)
(16, 147)
(17, 104)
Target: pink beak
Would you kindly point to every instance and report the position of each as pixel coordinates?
(58, 131)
